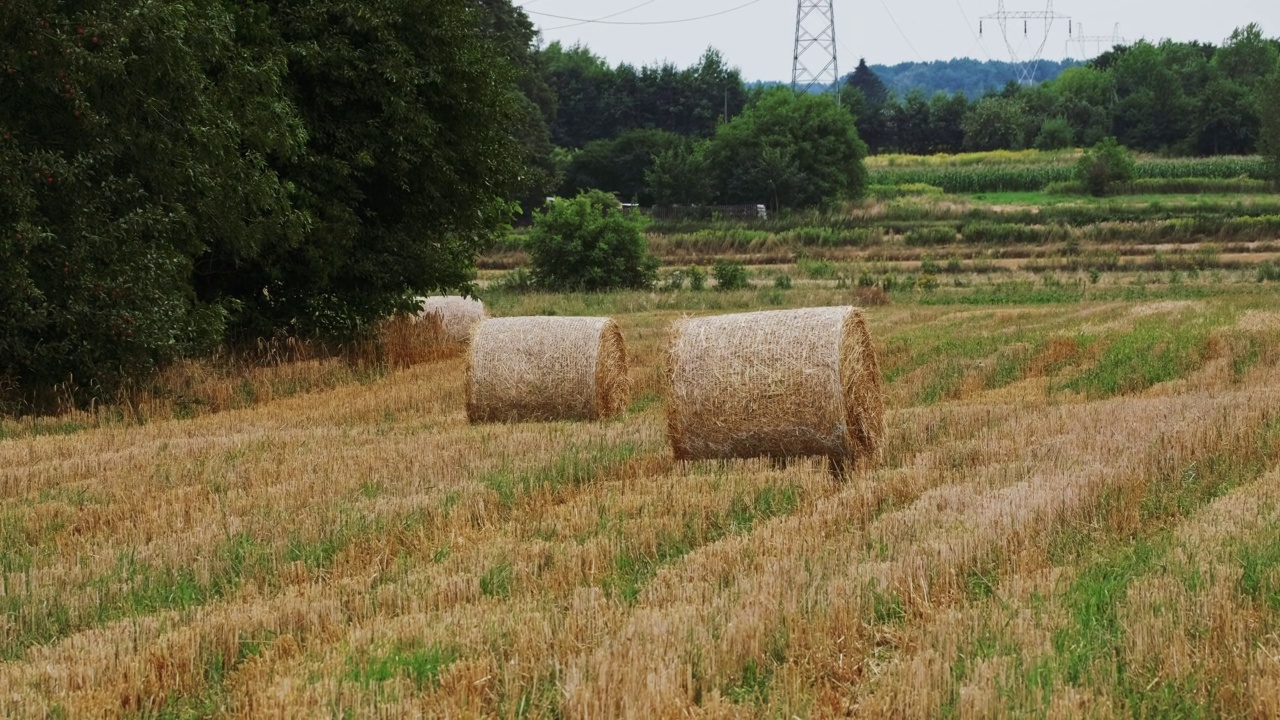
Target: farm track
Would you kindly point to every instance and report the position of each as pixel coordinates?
(260, 561)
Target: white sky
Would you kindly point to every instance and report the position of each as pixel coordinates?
(759, 38)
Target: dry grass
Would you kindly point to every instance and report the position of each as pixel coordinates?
(458, 315)
(1032, 543)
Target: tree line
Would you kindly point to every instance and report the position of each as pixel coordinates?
(1174, 98)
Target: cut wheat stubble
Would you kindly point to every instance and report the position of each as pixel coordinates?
(547, 369)
(780, 384)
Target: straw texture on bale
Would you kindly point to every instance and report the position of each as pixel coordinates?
(459, 315)
(779, 384)
(547, 368)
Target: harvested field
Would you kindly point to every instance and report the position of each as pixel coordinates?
(1075, 515)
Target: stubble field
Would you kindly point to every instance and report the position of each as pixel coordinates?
(1077, 515)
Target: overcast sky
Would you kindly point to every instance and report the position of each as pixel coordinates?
(758, 38)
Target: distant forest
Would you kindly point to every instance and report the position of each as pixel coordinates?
(972, 77)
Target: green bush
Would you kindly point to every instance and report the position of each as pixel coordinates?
(697, 278)
(929, 236)
(1104, 165)
(730, 275)
(1055, 134)
(782, 282)
(672, 281)
(516, 281)
(590, 244)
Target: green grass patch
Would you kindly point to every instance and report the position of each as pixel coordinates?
(498, 581)
(634, 567)
(1153, 352)
(574, 468)
(135, 588)
(1260, 565)
(422, 665)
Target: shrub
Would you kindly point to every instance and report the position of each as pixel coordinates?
(697, 278)
(516, 281)
(1055, 134)
(927, 236)
(590, 244)
(672, 281)
(782, 282)
(730, 275)
(1106, 163)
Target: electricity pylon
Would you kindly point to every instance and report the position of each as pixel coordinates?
(1102, 43)
(1029, 65)
(815, 62)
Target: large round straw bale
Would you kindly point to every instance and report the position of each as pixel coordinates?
(459, 315)
(779, 384)
(547, 368)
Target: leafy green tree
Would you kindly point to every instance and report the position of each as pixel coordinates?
(946, 122)
(620, 165)
(1103, 165)
(509, 29)
(1084, 98)
(131, 135)
(590, 244)
(730, 275)
(863, 78)
(911, 120)
(1247, 57)
(871, 121)
(599, 102)
(872, 106)
(404, 177)
(679, 176)
(996, 123)
(791, 150)
(1226, 117)
(1055, 134)
(1269, 111)
(1154, 112)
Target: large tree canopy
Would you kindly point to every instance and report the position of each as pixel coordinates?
(133, 133)
(408, 158)
(787, 150)
(169, 170)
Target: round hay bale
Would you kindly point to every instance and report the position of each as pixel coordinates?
(459, 315)
(778, 384)
(547, 368)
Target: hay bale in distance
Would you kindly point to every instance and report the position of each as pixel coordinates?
(778, 384)
(547, 368)
(459, 315)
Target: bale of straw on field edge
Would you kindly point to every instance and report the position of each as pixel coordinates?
(778, 384)
(459, 315)
(547, 368)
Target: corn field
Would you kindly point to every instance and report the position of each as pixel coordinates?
(1035, 173)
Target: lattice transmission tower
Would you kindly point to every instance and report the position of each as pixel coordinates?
(1101, 43)
(816, 62)
(1027, 59)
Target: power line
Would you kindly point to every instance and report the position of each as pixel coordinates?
(977, 39)
(899, 27)
(643, 22)
(596, 20)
